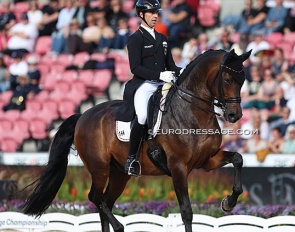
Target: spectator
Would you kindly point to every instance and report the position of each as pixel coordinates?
(18, 68)
(289, 145)
(238, 23)
(289, 24)
(7, 17)
(161, 27)
(107, 36)
(241, 45)
(179, 17)
(267, 90)
(166, 10)
(275, 18)
(23, 35)
(91, 33)
(203, 44)
(257, 22)
(265, 60)
(276, 143)
(224, 42)
(49, 18)
(278, 101)
(63, 22)
(81, 13)
(253, 86)
(279, 64)
(34, 14)
(257, 44)
(234, 143)
(122, 34)
(283, 122)
(115, 13)
(255, 143)
(74, 41)
(256, 122)
(101, 8)
(3, 74)
(34, 74)
(21, 93)
(287, 84)
(176, 54)
(190, 49)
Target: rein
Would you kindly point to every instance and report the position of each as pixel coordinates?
(219, 102)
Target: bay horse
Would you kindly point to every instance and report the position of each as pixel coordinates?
(214, 77)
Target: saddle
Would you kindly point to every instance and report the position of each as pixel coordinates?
(157, 106)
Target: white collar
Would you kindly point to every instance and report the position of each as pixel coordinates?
(149, 30)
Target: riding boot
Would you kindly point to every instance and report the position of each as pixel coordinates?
(132, 165)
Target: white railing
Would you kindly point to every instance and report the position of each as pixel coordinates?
(145, 223)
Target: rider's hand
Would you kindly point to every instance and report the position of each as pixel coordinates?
(167, 76)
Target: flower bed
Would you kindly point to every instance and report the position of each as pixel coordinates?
(162, 208)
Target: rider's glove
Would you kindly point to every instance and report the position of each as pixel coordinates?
(166, 76)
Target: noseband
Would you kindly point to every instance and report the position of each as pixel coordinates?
(221, 101)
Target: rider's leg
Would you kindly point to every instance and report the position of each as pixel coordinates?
(141, 99)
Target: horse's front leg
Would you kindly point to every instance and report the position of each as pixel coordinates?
(179, 178)
(220, 159)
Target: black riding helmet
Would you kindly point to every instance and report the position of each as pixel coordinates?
(146, 5)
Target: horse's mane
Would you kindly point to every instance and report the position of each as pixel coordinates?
(193, 63)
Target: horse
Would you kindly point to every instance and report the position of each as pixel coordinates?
(214, 78)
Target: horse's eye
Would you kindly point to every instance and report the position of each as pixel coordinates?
(227, 80)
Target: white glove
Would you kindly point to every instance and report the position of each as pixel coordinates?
(167, 76)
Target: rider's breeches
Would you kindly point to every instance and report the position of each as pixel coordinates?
(141, 99)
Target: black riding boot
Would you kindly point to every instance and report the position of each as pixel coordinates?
(132, 165)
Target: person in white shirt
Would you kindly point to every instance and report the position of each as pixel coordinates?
(23, 35)
(34, 14)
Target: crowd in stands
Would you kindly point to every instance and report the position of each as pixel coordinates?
(57, 54)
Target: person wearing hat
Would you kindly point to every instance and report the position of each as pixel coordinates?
(23, 35)
(34, 73)
(152, 64)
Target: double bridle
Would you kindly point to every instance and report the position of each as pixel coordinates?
(221, 101)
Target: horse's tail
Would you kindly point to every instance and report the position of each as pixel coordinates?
(51, 178)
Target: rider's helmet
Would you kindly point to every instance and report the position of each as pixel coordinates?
(147, 5)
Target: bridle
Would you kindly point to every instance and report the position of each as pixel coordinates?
(221, 101)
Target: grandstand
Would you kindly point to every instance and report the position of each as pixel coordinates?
(64, 92)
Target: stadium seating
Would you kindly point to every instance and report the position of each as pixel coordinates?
(43, 44)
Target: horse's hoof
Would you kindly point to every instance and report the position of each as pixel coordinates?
(224, 205)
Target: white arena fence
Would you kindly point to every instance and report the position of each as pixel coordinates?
(144, 223)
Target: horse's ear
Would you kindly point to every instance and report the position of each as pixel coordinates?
(245, 55)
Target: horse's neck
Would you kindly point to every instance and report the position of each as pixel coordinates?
(192, 111)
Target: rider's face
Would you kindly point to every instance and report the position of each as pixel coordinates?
(151, 18)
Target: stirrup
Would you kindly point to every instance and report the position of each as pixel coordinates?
(131, 169)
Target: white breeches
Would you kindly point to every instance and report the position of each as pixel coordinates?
(141, 99)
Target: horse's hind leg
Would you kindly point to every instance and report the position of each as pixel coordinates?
(220, 159)
(96, 196)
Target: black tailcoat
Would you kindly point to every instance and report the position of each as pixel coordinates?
(148, 57)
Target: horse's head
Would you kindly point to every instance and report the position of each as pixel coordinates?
(228, 83)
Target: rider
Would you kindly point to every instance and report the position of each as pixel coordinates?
(152, 64)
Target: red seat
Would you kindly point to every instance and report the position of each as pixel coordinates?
(66, 108)
(6, 96)
(9, 145)
(206, 16)
(274, 38)
(80, 58)
(102, 79)
(290, 38)
(52, 107)
(86, 77)
(42, 96)
(12, 115)
(44, 70)
(8, 60)
(47, 60)
(43, 45)
(50, 81)
(98, 56)
(76, 96)
(128, 6)
(57, 68)
(38, 129)
(68, 76)
(64, 59)
(33, 105)
(122, 71)
(20, 8)
(28, 115)
(22, 126)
